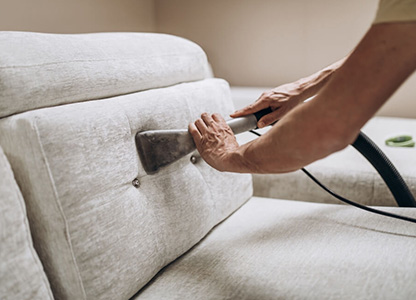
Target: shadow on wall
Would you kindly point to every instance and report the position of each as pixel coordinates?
(269, 42)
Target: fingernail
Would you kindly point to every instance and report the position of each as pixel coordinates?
(260, 124)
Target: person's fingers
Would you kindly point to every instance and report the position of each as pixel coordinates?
(281, 112)
(201, 126)
(279, 97)
(250, 109)
(194, 132)
(262, 97)
(207, 119)
(269, 118)
(218, 118)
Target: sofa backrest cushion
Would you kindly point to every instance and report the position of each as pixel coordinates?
(98, 234)
(41, 70)
(21, 273)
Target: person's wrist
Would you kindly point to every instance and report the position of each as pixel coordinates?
(239, 161)
(310, 86)
(231, 162)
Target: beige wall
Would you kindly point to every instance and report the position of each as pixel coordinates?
(248, 42)
(270, 42)
(75, 16)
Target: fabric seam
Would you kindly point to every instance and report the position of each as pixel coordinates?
(156, 240)
(68, 238)
(30, 245)
(100, 60)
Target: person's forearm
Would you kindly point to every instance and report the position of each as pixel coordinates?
(381, 62)
(284, 98)
(312, 84)
(302, 137)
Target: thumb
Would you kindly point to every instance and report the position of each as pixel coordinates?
(250, 109)
(269, 119)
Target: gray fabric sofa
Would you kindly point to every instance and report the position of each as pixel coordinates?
(81, 219)
(346, 172)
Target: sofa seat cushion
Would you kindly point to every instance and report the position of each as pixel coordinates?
(41, 70)
(347, 172)
(101, 225)
(278, 249)
(21, 272)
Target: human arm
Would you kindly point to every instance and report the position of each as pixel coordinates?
(381, 62)
(285, 97)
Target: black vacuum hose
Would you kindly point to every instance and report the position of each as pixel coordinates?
(386, 169)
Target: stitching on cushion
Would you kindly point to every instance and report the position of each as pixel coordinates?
(51, 181)
(27, 235)
(100, 60)
(28, 238)
(157, 241)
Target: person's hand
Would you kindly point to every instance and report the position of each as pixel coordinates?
(214, 140)
(280, 99)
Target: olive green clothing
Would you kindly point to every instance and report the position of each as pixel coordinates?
(395, 11)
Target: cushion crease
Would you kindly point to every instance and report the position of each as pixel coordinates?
(68, 238)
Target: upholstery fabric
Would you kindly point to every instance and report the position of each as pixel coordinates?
(97, 235)
(347, 172)
(41, 70)
(277, 249)
(21, 273)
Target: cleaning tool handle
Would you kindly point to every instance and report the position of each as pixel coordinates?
(246, 123)
(261, 113)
